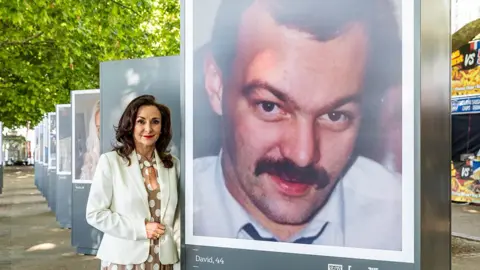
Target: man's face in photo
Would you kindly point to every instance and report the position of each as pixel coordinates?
(290, 113)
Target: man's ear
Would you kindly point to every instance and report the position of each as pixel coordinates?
(213, 83)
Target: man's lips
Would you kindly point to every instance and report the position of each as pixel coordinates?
(290, 188)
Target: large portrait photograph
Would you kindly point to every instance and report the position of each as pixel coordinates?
(299, 127)
(86, 134)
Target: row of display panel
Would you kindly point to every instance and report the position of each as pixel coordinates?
(70, 140)
(55, 134)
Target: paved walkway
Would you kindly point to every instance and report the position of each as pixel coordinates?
(30, 237)
(466, 224)
(466, 220)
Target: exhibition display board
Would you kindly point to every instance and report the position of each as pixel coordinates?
(63, 165)
(52, 160)
(158, 76)
(45, 176)
(287, 163)
(36, 156)
(41, 166)
(85, 109)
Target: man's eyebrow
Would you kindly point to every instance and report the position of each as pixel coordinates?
(284, 97)
(355, 98)
(258, 84)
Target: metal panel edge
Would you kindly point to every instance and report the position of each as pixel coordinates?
(433, 132)
(182, 132)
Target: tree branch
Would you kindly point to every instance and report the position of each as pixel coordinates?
(7, 43)
(48, 42)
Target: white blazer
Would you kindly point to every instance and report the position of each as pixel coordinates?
(118, 206)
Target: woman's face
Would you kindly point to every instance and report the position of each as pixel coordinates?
(147, 126)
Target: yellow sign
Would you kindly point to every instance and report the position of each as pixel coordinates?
(466, 70)
(465, 82)
(457, 58)
(465, 184)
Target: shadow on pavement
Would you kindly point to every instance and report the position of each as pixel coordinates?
(30, 237)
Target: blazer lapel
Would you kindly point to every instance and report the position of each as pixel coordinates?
(136, 176)
(163, 180)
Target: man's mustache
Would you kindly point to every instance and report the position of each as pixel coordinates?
(287, 170)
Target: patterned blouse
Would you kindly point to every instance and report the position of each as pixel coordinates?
(149, 174)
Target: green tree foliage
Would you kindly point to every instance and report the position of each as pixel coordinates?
(50, 47)
(465, 34)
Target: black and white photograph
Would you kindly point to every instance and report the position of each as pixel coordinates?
(41, 138)
(52, 140)
(37, 145)
(45, 140)
(64, 139)
(86, 134)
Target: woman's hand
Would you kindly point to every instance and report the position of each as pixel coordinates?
(154, 230)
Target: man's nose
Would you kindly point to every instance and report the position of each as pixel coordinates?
(300, 144)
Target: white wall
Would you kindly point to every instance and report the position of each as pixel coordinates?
(463, 12)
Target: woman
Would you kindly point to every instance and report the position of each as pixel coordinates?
(90, 158)
(133, 197)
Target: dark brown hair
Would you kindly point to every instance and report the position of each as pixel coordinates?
(124, 131)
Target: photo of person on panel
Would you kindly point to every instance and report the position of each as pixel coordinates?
(40, 144)
(37, 144)
(92, 154)
(297, 123)
(64, 140)
(45, 140)
(53, 140)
